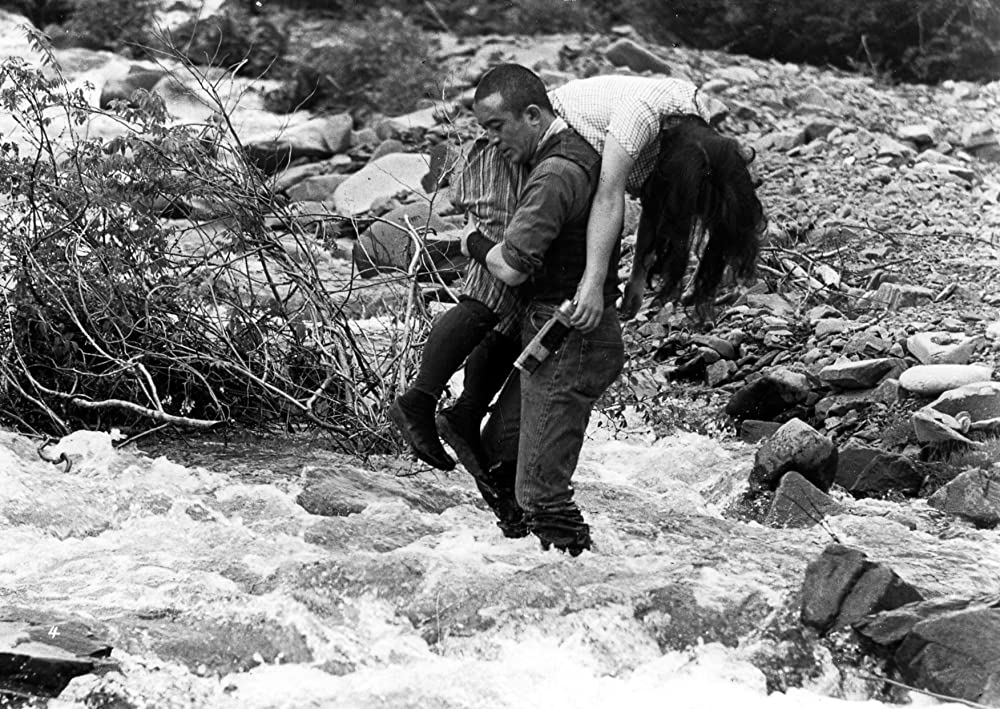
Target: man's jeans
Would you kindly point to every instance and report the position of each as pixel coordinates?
(541, 419)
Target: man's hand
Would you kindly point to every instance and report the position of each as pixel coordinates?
(632, 300)
(589, 303)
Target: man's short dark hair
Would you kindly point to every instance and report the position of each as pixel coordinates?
(518, 86)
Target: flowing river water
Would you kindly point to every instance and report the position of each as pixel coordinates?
(217, 588)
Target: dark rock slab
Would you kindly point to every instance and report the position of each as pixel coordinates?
(980, 400)
(315, 139)
(675, 619)
(40, 652)
(754, 431)
(778, 390)
(347, 490)
(799, 503)
(878, 588)
(842, 586)
(862, 374)
(214, 645)
(795, 446)
(973, 495)
(949, 646)
(888, 472)
(387, 247)
(852, 459)
(829, 579)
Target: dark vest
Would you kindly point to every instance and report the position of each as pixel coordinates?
(564, 262)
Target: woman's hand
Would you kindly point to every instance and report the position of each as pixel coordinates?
(632, 300)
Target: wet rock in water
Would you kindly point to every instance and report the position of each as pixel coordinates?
(842, 586)
(777, 391)
(973, 495)
(216, 645)
(386, 246)
(40, 652)
(981, 401)
(949, 646)
(799, 503)
(934, 379)
(862, 374)
(888, 472)
(795, 446)
(348, 490)
(676, 620)
(942, 347)
(380, 532)
(626, 52)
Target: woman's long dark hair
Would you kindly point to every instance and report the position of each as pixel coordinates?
(701, 181)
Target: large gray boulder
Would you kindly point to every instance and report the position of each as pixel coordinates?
(973, 495)
(942, 347)
(381, 179)
(386, 246)
(799, 503)
(778, 390)
(861, 374)
(315, 139)
(981, 401)
(934, 379)
(795, 446)
(950, 646)
(40, 652)
(885, 473)
(842, 586)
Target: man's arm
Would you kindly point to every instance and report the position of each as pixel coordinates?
(642, 259)
(604, 228)
(556, 190)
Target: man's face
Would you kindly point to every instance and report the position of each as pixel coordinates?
(516, 135)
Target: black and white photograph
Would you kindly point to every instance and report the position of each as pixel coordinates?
(513, 354)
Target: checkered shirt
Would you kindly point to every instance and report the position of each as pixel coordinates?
(634, 109)
(487, 187)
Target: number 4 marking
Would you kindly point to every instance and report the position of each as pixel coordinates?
(54, 631)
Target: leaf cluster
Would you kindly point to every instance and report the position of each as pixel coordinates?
(385, 62)
(926, 40)
(235, 37)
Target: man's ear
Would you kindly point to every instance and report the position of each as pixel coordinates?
(533, 114)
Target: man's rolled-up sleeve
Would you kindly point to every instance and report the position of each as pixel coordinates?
(556, 191)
